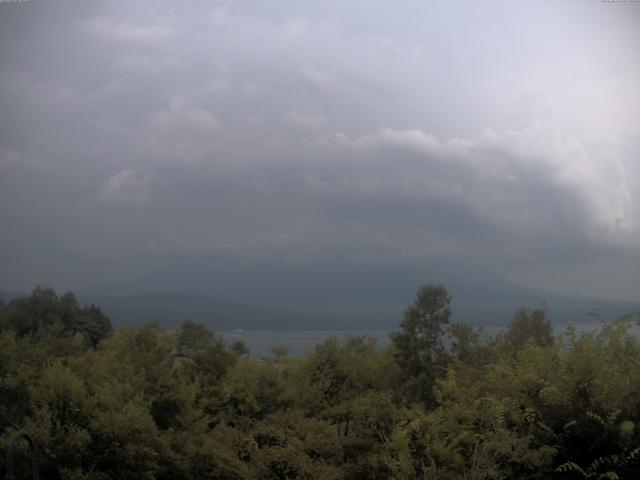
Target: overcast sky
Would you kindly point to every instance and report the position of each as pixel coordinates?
(140, 135)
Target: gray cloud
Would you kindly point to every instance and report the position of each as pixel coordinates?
(137, 134)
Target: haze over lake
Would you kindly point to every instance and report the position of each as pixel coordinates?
(260, 343)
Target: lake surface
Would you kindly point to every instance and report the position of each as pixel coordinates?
(260, 342)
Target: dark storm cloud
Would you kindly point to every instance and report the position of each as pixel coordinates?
(136, 134)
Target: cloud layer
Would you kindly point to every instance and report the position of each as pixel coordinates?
(133, 135)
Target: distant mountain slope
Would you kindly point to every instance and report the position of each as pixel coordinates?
(493, 308)
(381, 292)
(331, 296)
(7, 296)
(173, 308)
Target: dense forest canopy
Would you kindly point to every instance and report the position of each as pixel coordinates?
(443, 401)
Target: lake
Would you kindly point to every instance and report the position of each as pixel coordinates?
(298, 342)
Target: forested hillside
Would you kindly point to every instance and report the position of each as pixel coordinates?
(443, 401)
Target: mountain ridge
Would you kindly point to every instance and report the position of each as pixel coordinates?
(171, 308)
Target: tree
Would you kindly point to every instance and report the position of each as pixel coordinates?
(34, 315)
(207, 360)
(470, 346)
(419, 349)
(529, 326)
(69, 313)
(194, 335)
(93, 324)
(240, 348)
(280, 352)
(45, 316)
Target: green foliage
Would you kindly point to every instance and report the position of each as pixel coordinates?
(419, 346)
(252, 391)
(469, 346)
(93, 324)
(279, 352)
(45, 317)
(119, 405)
(529, 327)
